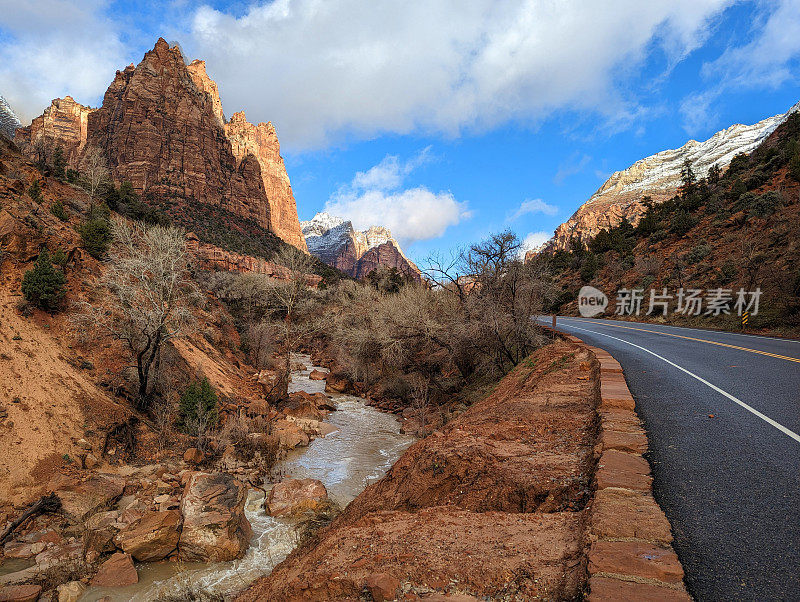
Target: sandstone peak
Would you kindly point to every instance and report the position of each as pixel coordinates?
(335, 241)
(64, 123)
(261, 142)
(659, 176)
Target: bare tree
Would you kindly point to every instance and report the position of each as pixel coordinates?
(288, 295)
(95, 170)
(149, 295)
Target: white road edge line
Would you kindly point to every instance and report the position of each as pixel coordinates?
(736, 400)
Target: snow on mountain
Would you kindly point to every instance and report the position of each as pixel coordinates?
(659, 176)
(8, 120)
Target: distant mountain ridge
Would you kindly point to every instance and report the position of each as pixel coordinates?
(659, 176)
(9, 122)
(355, 252)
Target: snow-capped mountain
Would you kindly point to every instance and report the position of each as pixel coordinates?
(9, 122)
(659, 176)
(355, 252)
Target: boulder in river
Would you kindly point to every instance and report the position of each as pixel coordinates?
(318, 375)
(117, 571)
(294, 496)
(289, 434)
(152, 537)
(215, 527)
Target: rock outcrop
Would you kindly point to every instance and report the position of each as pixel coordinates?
(209, 257)
(162, 128)
(659, 176)
(159, 131)
(357, 253)
(197, 69)
(64, 123)
(215, 528)
(261, 141)
(9, 122)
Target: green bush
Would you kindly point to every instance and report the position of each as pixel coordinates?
(766, 204)
(96, 235)
(697, 254)
(44, 285)
(199, 405)
(59, 163)
(57, 209)
(589, 267)
(728, 272)
(682, 222)
(35, 191)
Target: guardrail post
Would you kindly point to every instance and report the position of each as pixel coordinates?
(554, 320)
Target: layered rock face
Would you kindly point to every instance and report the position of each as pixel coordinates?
(63, 123)
(162, 128)
(659, 176)
(160, 132)
(9, 122)
(261, 141)
(355, 252)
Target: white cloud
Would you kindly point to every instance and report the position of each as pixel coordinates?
(54, 48)
(532, 206)
(767, 60)
(575, 164)
(341, 69)
(390, 172)
(375, 197)
(533, 241)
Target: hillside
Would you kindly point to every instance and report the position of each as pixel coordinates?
(740, 229)
(659, 177)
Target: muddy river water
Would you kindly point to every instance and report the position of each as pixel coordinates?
(363, 448)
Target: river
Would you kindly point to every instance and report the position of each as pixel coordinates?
(361, 451)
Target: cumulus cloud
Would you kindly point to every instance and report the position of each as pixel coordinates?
(376, 197)
(532, 206)
(533, 241)
(330, 71)
(53, 48)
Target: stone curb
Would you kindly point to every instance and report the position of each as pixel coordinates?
(630, 554)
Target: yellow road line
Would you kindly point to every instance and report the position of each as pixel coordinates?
(680, 336)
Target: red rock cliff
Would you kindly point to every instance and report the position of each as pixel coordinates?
(161, 133)
(63, 123)
(261, 141)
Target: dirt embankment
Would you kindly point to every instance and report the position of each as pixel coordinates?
(493, 504)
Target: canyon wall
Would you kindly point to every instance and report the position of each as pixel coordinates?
(261, 142)
(63, 123)
(9, 122)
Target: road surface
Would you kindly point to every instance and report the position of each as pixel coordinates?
(722, 413)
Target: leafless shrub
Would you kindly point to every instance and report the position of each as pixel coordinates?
(148, 294)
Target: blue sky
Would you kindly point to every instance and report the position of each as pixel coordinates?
(445, 120)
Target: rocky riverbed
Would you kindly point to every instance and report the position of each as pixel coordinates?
(155, 532)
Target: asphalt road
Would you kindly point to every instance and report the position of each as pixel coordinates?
(730, 484)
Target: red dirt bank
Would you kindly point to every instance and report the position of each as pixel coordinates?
(537, 492)
(493, 504)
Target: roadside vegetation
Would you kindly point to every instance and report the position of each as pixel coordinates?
(736, 228)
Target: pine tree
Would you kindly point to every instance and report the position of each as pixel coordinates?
(198, 407)
(44, 284)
